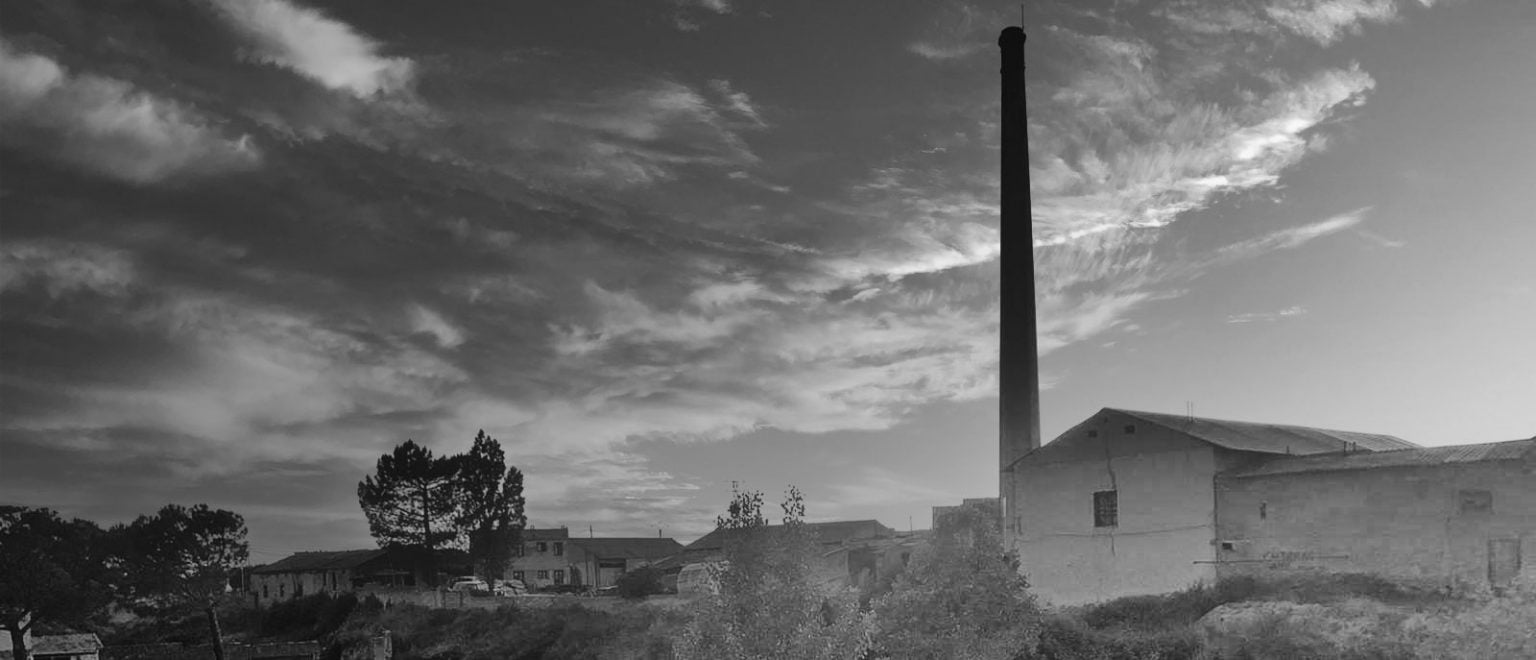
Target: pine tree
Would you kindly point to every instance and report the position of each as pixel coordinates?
(490, 514)
(410, 502)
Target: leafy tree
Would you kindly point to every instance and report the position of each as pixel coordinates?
(51, 569)
(185, 554)
(960, 597)
(770, 603)
(639, 583)
(410, 501)
(490, 516)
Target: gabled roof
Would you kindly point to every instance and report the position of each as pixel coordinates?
(1514, 450)
(643, 547)
(1269, 438)
(826, 532)
(321, 561)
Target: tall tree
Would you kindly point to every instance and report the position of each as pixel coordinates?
(51, 569)
(410, 502)
(490, 515)
(186, 554)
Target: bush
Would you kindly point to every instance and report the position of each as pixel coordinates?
(639, 583)
(959, 597)
(307, 618)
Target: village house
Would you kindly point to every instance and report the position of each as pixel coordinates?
(550, 557)
(307, 573)
(1128, 503)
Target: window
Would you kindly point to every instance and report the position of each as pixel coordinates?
(1093, 433)
(1130, 429)
(1226, 545)
(543, 575)
(298, 589)
(559, 548)
(282, 591)
(333, 582)
(1263, 510)
(543, 547)
(559, 577)
(1106, 508)
(264, 593)
(517, 550)
(1476, 501)
(517, 575)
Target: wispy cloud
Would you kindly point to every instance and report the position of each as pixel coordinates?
(1292, 237)
(106, 126)
(1267, 317)
(316, 46)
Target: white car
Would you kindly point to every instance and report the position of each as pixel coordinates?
(469, 584)
(509, 588)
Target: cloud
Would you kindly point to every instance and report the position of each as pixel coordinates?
(1290, 238)
(1327, 21)
(1267, 317)
(315, 46)
(428, 322)
(106, 126)
(63, 268)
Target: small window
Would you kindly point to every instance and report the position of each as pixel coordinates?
(333, 582)
(1106, 508)
(1093, 433)
(517, 575)
(298, 589)
(1476, 501)
(1263, 510)
(543, 547)
(559, 576)
(559, 548)
(543, 575)
(282, 591)
(264, 593)
(1226, 545)
(1130, 429)
(517, 550)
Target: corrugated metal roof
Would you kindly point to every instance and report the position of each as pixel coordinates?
(1513, 450)
(1269, 438)
(321, 561)
(642, 547)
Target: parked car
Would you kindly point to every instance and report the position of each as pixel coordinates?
(509, 588)
(469, 584)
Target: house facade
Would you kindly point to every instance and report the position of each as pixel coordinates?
(1130, 503)
(69, 646)
(308, 573)
(550, 557)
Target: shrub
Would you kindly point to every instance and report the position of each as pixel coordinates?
(639, 583)
(769, 603)
(959, 597)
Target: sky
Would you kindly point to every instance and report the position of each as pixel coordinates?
(657, 247)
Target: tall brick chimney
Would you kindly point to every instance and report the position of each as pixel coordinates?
(1018, 359)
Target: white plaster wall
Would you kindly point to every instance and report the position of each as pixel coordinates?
(1166, 513)
(1402, 523)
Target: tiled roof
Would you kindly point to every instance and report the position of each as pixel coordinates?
(321, 561)
(639, 548)
(1513, 450)
(826, 532)
(1269, 438)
